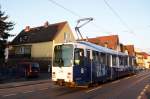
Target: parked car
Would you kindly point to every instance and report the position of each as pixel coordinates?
(29, 69)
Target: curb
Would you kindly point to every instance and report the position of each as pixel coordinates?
(26, 83)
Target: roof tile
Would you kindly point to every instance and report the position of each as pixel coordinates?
(38, 34)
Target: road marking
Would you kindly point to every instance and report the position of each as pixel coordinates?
(139, 97)
(93, 89)
(127, 77)
(54, 86)
(146, 86)
(9, 95)
(140, 75)
(143, 91)
(28, 91)
(42, 89)
(140, 80)
(114, 82)
(135, 75)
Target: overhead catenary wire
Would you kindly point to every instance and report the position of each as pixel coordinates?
(99, 27)
(95, 25)
(74, 13)
(68, 10)
(119, 17)
(129, 30)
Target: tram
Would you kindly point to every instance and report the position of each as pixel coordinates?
(83, 63)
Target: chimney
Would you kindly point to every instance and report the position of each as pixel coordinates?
(27, 29)
(46, 24)
(106, 44)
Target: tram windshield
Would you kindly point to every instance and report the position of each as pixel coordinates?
(63, 55)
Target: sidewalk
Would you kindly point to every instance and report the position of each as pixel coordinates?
(10, 83)
(23, 83)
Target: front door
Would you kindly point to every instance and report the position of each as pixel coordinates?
(80, 68)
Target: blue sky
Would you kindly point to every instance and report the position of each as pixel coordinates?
(135, 14)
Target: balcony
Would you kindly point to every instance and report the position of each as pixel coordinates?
(19, 55)
(23, 51)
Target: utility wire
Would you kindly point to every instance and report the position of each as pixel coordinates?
(119, 17)
(98, 27)
(95, 25)
(68, 10)
(72, 12)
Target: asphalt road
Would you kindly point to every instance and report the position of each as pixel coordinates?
(132, 87)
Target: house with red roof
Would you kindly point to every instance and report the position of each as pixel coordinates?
(36, 44)
(111, 41)
(130, 50)
(143, 59)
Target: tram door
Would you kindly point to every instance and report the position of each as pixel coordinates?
(89, 64)
(80, 67)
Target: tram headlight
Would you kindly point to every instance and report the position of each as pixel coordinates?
(69, 73)
(53, 75)
(69, 76)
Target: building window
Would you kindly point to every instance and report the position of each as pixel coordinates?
(23, 50)
(65, 37)
(23, 38)
(20, 39)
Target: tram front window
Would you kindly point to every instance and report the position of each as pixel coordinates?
(63, 55)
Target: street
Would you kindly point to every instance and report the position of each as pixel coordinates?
(132, 87)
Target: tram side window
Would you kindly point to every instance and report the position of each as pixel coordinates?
(130, 61)
(79, 57)
(108, 60)
(103, 58)
(96, 57)
(126, 61)
(114, 61)
(88, 55)
(120, 60)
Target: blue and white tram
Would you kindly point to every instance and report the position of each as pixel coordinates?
(83, 63)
